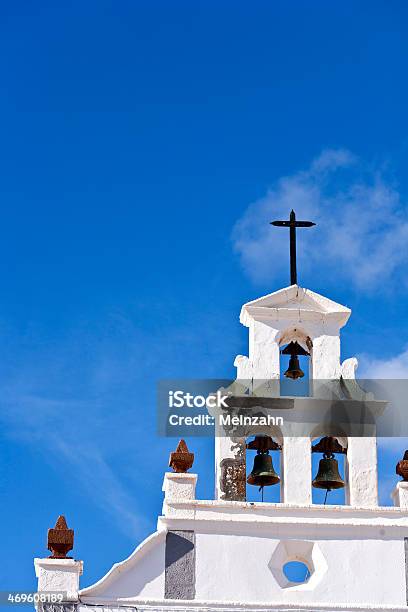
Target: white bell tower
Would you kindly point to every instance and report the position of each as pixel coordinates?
(297, 314)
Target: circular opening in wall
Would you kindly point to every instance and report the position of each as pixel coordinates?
(296, 571)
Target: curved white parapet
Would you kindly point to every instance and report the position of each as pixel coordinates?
(140, 575)
(348, 368)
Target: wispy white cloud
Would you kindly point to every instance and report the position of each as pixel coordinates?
(361, 235)
(61, 430)
(68, 403)
(87, 405)
(386, 369)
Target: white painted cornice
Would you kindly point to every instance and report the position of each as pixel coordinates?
(222, 517)
(295, 304)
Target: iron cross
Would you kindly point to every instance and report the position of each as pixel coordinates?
(292, 224)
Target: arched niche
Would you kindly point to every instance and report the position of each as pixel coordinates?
(300, 386)
(325, 441)
(273, 493)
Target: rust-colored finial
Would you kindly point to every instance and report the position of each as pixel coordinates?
(181, 459)
(60, 539)
(402, 467)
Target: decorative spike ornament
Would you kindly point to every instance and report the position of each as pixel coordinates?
(60, 539)
(402, 467)
(181, 459)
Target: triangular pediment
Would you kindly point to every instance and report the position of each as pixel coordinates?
(293, 299)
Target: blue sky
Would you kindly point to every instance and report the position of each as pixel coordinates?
(144, 148)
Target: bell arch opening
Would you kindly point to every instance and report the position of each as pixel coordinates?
(263, 468)
(295, 362)
(329, 470)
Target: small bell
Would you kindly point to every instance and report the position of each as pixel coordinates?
(294, 370)
(294, 350)
(328, 476)
(263, 473)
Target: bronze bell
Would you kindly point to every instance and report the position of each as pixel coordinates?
(294, 350)
(263, 473)
(294, 370)
(328, 476)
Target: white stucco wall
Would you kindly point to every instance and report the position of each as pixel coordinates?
(235, 564)
(236, 568)
(356, 556)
